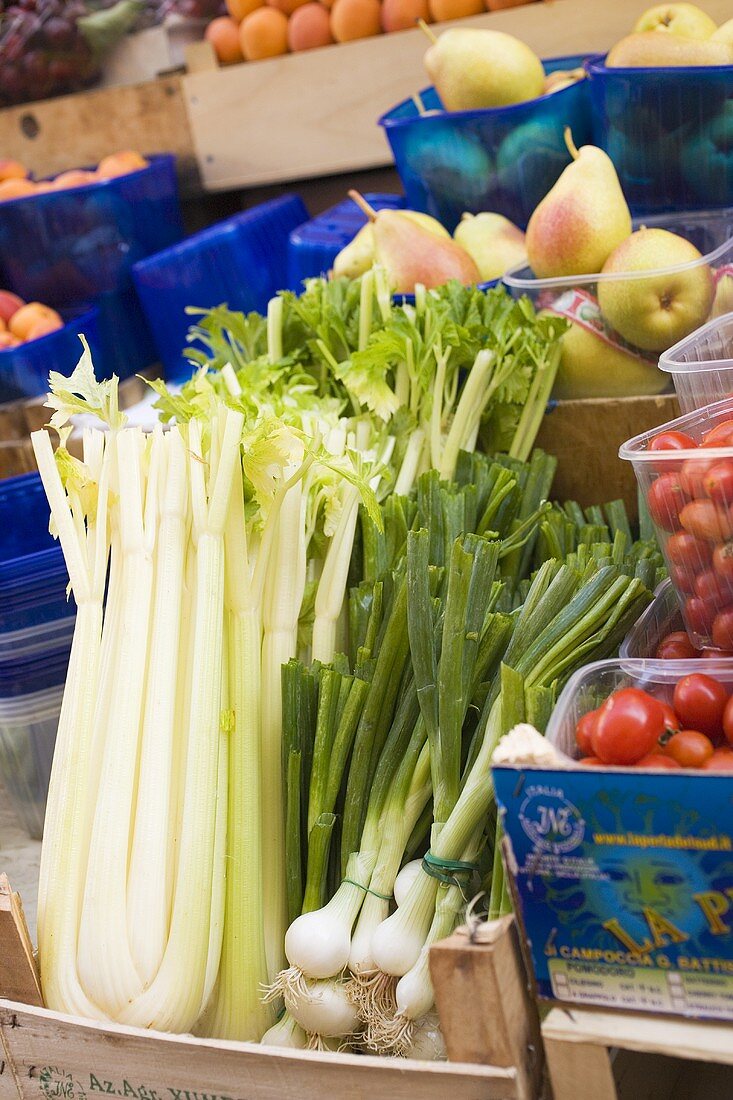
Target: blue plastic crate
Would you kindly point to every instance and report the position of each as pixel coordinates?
(503, 159)
(241, 262)
(669, 132)
(24, 370)
(313, 246)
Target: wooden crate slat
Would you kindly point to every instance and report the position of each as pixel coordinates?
(51, 1054)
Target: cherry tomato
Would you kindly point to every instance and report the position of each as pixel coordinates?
(657, 760)
(683, 580)
(693, 474)
(689, 748)
(728, 721)
(719, 482)
(714, 654)
(685, 550)
(704, 520)
(629, 726)
(711, 587)
(719, 436)
(676, 647)
(594, 762)
(720, 761)
(664, 501)
(584, 730)
(699, 616)
(671, 721)
(700, 701)
(671, 441)
(722, 560)
(722, 632)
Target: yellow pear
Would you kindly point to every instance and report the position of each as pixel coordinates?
(723, 300)
(412, 254)
(652, 49)
(686, 20)
(724, 33)
(591, 367)
(655, 312)
(581, 219)
(495, 243)
(358, 255)
(474, 68)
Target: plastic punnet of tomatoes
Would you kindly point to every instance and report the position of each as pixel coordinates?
(685, 472)
(663, 715)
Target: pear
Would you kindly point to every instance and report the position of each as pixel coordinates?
(473, 68)
(412, 254)
(563, 78)
(581, 219)
(723, 300)
(655, 312)
(652, 49)
(358, 255)
(724, 33)
(592, 367)
(494, 243)
(686, 20)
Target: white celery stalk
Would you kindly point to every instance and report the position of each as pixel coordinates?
(332, 584)
(149, 877)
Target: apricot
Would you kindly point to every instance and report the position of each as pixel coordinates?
(7, 340)
(309, 27)
(76, 177)
(240, 9)
(286, 6)
(12, 170)
(223, 34)
(351, 19)
(443, 10)
(264, 33)
(16, 189)
(401, 15)
(31, 316)
(42, 328)
(9, 304)
(120, 164)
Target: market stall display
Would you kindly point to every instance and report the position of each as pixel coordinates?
(322, 662)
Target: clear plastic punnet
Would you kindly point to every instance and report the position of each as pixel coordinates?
(27, 737)
(701, 365)
(689, 497)
(661, 617)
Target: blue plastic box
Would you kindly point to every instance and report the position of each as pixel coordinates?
(24, 370)
(503, 159)
(669, 132)
(313, 246)
(241, 262)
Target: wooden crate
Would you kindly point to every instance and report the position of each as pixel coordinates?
(614, 1056)
(47, 1056)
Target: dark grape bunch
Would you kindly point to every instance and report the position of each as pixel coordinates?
(42, 50)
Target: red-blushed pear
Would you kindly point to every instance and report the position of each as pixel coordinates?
(685, 20)
(358, 255)
(655, 312)
(411, 254)
(581, 219)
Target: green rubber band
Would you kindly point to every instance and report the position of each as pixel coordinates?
(436, 868)
(367, 890)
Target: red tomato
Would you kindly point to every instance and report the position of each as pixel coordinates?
(714, 654)
(594, 762)
(728, 721)
(693, 474)
(671, 721)
(722, 632)
(720, 761)
(584, 730)
(629, 726)
(664, 501)
(676, 647)
(719, 482)
(685, 550)
(682, 579)
(703, 519)
(657, 760)
(711, 588)
(689, 748)
(700, 701)
(699, 616)
(722, 560)
(671, 441)
(720, 436)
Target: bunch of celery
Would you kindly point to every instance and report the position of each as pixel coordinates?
(387, 752)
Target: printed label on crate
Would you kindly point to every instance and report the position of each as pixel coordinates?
(57, 1083)
(582, 309)
(624, 886)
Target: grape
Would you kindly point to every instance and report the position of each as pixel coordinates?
(42, 51)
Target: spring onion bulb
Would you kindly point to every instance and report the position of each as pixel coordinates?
(324, 1009)
(286, 1033)
(405, 879)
